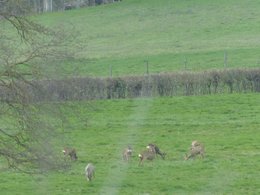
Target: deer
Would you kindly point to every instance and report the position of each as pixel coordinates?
(195, 143)
(90, 171)
(148, 154)
(196, 149)
(156, 149)
(71, 152)
(127, 153)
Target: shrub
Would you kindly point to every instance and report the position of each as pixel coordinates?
(163, 84)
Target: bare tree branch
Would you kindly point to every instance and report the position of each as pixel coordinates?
(27, 138)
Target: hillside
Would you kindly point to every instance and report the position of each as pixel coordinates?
(170, 35)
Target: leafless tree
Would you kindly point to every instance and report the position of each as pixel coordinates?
(26, 135)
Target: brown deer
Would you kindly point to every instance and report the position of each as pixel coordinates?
(90, 171)
(195, 150)
(148, 154)
(157, 150)
(195, 143)
(127, 153)
(71, 152)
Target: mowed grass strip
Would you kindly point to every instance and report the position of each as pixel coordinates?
(228, 126)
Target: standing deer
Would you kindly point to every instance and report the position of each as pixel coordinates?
(156, 149)
(90, 171)
(195, 150)
(148, 154)
(127, 153)
(71, 152)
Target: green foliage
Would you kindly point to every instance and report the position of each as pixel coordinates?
(228, 126)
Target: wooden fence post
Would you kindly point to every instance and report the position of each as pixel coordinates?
(147, 67)
(225, 59)
(185, 63)
(111, 70)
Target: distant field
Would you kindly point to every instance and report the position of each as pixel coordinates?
(228, 125)
(171, 35)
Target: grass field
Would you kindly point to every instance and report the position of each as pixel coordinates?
(171, 35)
(228, 125)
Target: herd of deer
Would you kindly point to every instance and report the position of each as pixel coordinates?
(152, 150)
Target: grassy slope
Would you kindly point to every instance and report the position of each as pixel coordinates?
(166, 33)
(228, 125)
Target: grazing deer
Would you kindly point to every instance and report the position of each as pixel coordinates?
(90, 171)
(195, 150)
(127, 153)
(71, 152)
(148, 154)
(195, 143)
(156, 149)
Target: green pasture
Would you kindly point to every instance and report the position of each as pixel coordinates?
(228, 126)
(172, 35)
(164, 35)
